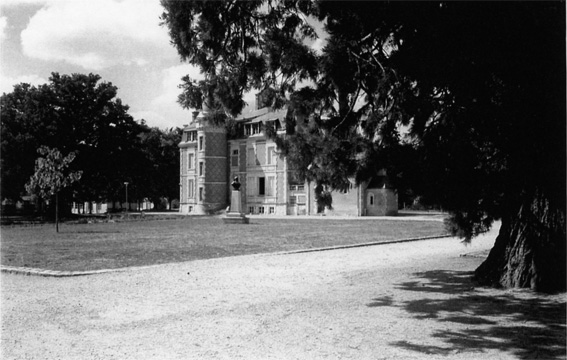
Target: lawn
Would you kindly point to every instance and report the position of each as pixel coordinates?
(108, 245)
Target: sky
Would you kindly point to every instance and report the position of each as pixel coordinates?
(120, 40)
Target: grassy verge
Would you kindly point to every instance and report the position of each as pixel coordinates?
(108, 245)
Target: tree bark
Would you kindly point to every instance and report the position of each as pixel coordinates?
(529, 251)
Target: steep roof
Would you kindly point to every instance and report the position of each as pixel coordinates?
(262, 115)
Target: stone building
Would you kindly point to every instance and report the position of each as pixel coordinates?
(209, 159)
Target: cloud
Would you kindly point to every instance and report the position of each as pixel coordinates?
(163, 110)
(12, 3)
(171, 79)
(3, 26)
(7, 83)
(97, 34)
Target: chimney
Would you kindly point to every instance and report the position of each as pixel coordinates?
(195, 113)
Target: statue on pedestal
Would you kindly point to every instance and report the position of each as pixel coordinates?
(235, 214)
(235, 183)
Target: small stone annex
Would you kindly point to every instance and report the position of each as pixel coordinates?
(209, 161)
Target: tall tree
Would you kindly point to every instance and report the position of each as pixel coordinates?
(480, 86)
(51, 175)
(75, 113)
(161, 164)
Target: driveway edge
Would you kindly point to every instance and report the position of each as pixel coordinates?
(59, 273)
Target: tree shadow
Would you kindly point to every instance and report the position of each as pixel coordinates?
(523, 323)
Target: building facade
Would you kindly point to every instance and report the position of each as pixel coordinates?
(209, 162)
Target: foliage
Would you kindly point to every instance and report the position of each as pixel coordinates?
(75, 113)
(160, 176)
(478, 87)
(240, 45)
(80, 114)
(51, 176)
(465, 106)
(51, 173)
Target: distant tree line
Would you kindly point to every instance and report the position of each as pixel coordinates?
(81, 114)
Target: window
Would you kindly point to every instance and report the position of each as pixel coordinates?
(200, 168)
(271, 186)
(256, 128)
(234, 158)
(248, 129)
(250, 157)
(200, 143)
(200, 194)
(371, 199)
(301, 199)
(292, 200)
(271, 155)
(260, 210)
(272, 210)
(190, 189)
(190, 160)
(190, 208)
(183, 157)
(250, 186)
(260, 153)
(251, 209)
(262, 186)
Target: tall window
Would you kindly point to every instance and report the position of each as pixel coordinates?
(271, 186)
(190, 189)
(260, 153)
(250, 157)
(183, 157)
(190, 161)
(234, 158)
(200, 143)
(250, 186)
(271, 155)
(371, 199)
(200, 194)
(262, 186)
(200, 168)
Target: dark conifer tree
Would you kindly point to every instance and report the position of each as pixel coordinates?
(480, 86)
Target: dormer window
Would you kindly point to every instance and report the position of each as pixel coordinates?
(190, 136)
(253, 129)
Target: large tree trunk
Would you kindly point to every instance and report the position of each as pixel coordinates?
(530, 250)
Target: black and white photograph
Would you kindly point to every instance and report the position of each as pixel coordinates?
(283, 179)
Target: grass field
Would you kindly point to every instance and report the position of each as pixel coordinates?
(104, 245)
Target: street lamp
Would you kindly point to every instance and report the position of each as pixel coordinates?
(126, 183)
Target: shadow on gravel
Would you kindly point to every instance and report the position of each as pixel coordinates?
(525, 324)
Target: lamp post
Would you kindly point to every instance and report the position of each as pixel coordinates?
(126, 183)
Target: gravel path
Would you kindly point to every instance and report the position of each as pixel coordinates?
(396, 301)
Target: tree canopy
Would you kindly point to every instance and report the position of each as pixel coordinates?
(82, 114)
(480, 88)
(51, 176)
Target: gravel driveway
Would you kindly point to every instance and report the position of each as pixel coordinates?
(396, 301)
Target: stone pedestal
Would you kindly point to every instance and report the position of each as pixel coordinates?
(235, 214)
